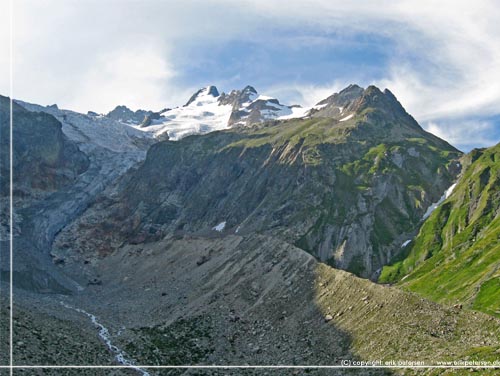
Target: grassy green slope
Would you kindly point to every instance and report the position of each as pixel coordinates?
(455, 258)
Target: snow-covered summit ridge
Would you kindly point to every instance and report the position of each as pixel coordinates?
(203, 92)
(201, 114)
(206, 110)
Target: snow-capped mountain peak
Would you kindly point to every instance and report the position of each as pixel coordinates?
(203, 95)
(207, 110)
(249, 93)
(201, 114)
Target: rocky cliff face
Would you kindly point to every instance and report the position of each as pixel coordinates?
(350, 192)
(455, 257)
(62, 161)
(44, 159)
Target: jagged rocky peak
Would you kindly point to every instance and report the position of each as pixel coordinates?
(339, 105)
(126, 115)
(355, 99)
(249, 93)
(206, 91)
(250, 107)
(377, 105)
(249, 89)
(343, 97)
(212, 90)
(237, 97)
(120, 110)
(374, 97)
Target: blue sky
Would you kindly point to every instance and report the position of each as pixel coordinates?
(441, 59)
(294, 57)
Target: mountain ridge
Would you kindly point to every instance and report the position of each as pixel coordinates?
(209, 110)
(292, 178)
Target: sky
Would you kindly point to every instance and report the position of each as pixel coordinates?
(440, 58)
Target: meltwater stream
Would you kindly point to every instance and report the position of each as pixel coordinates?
(106, 337)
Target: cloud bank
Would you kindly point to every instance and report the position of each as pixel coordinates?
(441, 59)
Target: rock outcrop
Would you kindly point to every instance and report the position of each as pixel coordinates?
(126, 115)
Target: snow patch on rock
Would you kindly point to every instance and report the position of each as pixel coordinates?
(445, 195)
(221, 226)
(347, 117)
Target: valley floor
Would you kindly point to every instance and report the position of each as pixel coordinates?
(241, 300)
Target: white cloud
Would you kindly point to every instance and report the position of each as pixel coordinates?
(460, 42)
(444, 62)
(4, 48)
(457, 46)
(67, 51)
(464, 134)
(137, 78)
(303, 94)
(463, 53)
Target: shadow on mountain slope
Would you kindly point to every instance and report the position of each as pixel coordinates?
(258, 300)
